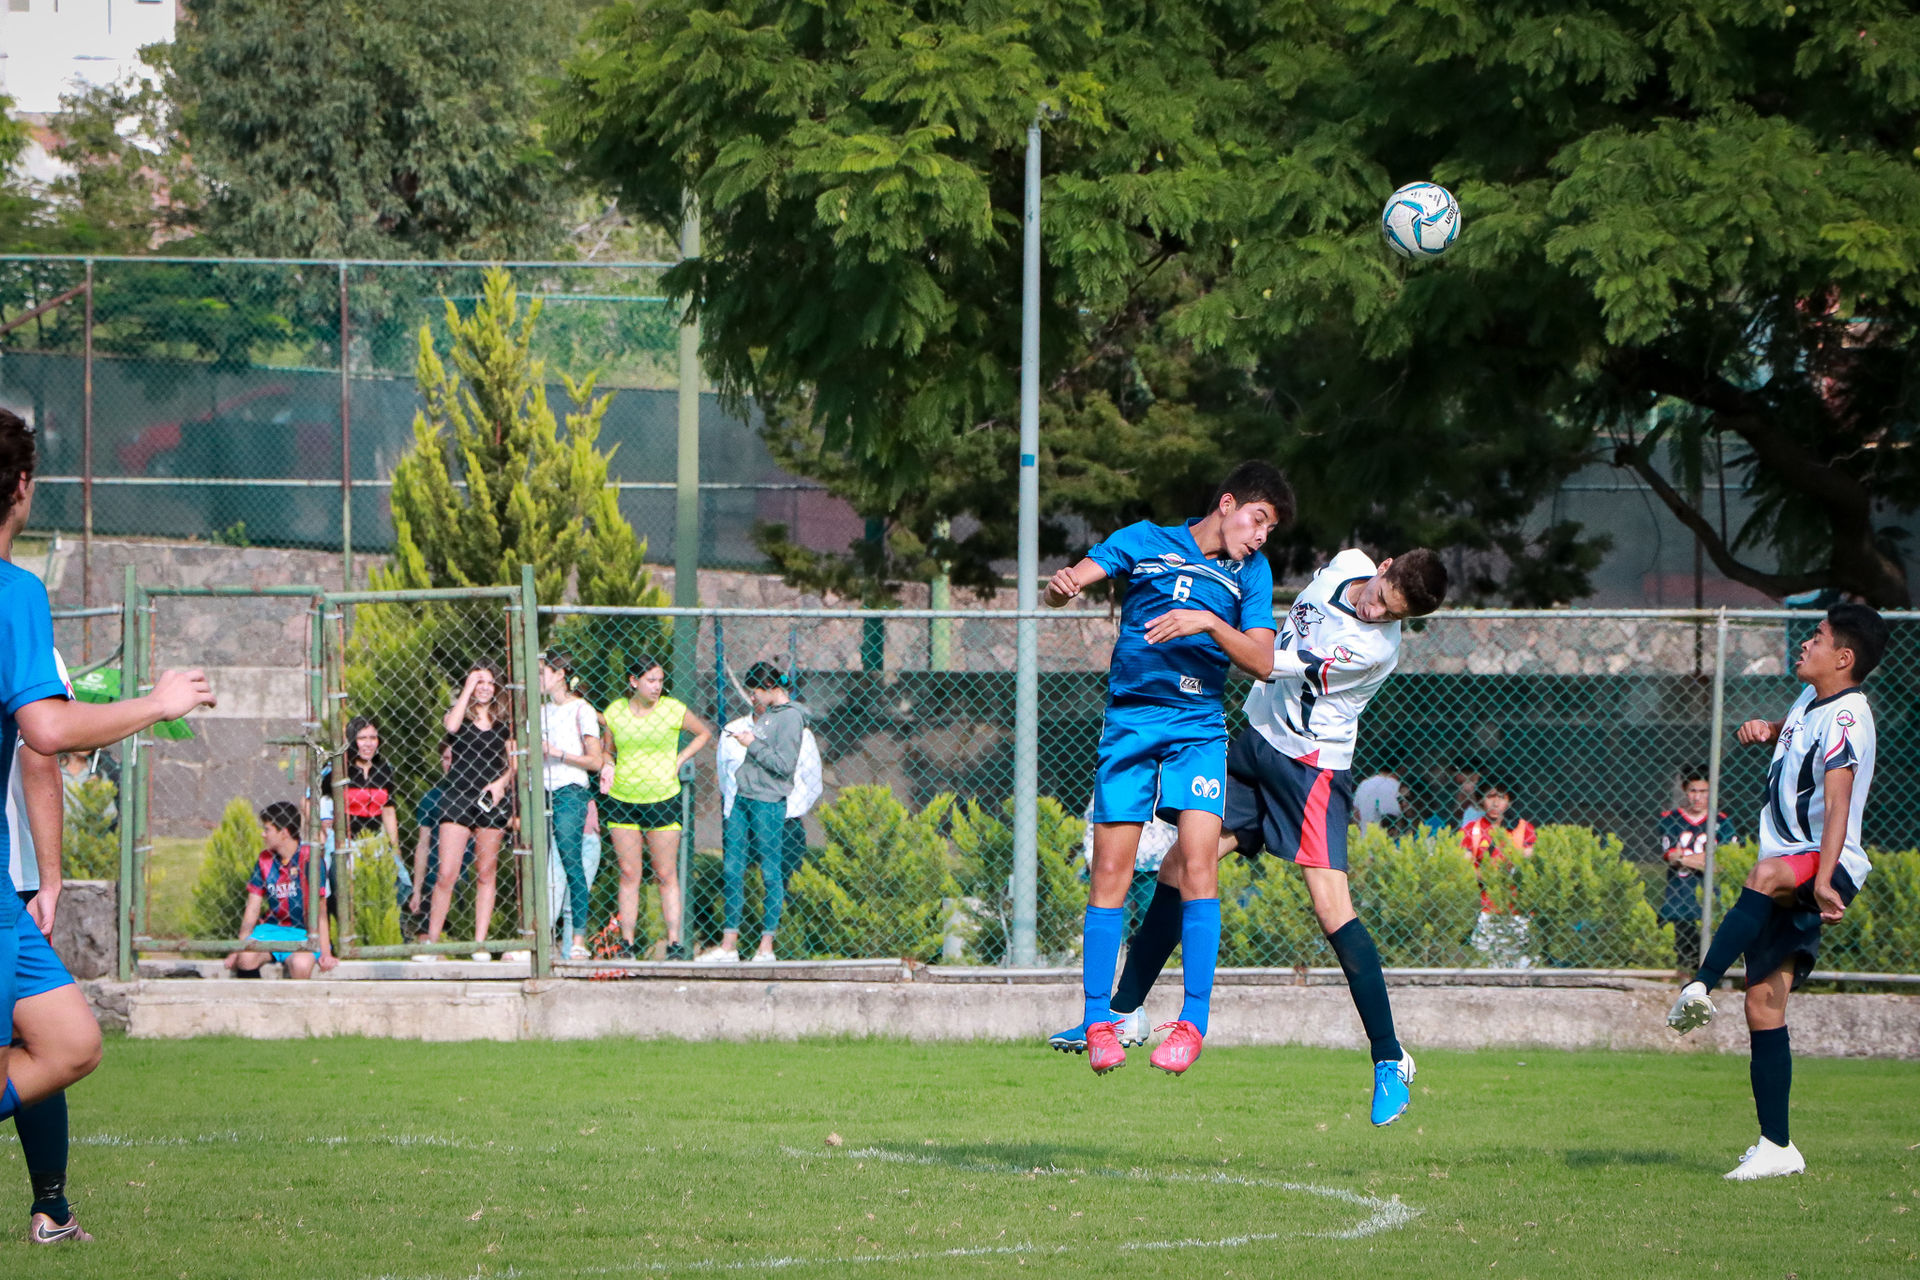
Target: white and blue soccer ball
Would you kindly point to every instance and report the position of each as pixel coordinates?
(1421, 220)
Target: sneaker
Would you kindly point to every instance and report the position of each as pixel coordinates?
(1764, 1160)
(42, 1229)
(718, 955)
(762, 957)
(1693, 1009)
(520, 956)
(679, 951)
(578, 951)
(483, 956)
(1180, 1050)
(429, 957)
(1104, 1053)
(1390, 1092)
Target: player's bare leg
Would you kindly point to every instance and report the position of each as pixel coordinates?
(1115, 846)
(59, 1043)
(1198, 856)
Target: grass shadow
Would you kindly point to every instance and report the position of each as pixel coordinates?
(1594, 1158)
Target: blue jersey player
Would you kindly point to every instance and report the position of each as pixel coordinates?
(55, 1039)
(1199, 597)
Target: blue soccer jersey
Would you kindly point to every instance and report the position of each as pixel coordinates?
(28, 673)
(1164, 570)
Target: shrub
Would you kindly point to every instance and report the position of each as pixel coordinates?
(220, 889)
(985, 875)
(877, 887)
(1418, 896)
(376, 911)
(89, 833)
(1586, 906)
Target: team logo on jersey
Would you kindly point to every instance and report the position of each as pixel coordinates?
(1190, 684)
(1845, 720)
(1207, 788)
(1174, 558)
(1786, 735)
(1305, 617)
(1342, 654)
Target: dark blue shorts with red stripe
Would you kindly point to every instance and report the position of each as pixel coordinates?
(1276, 804)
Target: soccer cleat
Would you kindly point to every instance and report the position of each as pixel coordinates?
(1132, 1029)
(1104, 1053)
(1693, 1009)
(1390, 1092)
(1764, 1160)
(1180, 1050)
(44, 1230)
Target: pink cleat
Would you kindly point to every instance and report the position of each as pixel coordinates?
(1104, 1053)
(44, 1230)
(1180, 1050)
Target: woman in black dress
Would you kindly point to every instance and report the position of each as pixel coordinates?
(475, 804)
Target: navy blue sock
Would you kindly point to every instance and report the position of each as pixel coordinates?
(1099, 952)
(9, 1100)
(1360, 961)
(43, 1147)
(1199, 953)
(1148, 951)
(1772, 1075)
(1735, 934)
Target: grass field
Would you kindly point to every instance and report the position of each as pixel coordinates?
(353, 1159)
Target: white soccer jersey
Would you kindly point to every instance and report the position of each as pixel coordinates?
(1819, 736)
(1326, 664)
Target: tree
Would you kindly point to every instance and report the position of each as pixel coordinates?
(1706, 211)
(327, 128)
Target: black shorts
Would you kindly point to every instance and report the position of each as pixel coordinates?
(1791, 935)
(1292, 810)
(466, 811)
(641, 815)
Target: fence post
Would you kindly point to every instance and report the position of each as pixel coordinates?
(346, 450)
(1717, 728)
(313, 731)
(129, 760)
(686, 509)
(139, 798)
(86, 480)
(333, 725)
(533, 755)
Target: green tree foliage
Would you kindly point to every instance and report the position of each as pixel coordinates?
(1417, 894)
(1584, 904)
(490, 484)
(332, 128)
(882, 884)
(220, 888)
(90, 831)
(1707, 210)
(985, 842)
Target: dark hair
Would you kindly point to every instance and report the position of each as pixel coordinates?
(643, 663)
(284, 814)
(1421, 577)
(562, 661)
(764, 675)
(1693, 775)
(16, 457)
(1255, 481)
(1859, 628)
(354, 726)
(1496, 789)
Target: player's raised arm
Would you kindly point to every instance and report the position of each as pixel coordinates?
(1071, 581)
(1758, 733)
(1833, 839)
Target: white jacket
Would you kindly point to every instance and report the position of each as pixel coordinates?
(806, 772)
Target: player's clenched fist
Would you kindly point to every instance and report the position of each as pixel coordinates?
(1062, 587)
(1756, 733)
(176, 693)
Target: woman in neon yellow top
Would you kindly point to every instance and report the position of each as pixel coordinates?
(643, 730)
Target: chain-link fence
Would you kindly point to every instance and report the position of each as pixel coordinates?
(265, 402)
(893, 832)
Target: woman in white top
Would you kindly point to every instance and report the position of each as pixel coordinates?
(570, 732)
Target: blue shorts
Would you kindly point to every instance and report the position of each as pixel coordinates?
(37, 967)
(1292, 810)
(1159, 761)
(281, 933)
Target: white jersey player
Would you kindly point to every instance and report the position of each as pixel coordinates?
(1289, 790)
(1810, 866)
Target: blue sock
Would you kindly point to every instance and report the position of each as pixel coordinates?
(1199, 953)
(1099, 953)
(43, 1146)
(9, 1100)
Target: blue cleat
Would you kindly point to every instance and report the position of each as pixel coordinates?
(1072, 1040)
(1390, 1092)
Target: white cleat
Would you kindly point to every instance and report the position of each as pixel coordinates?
(1764, 1160)
(1693, 1009)
(1132, 1029)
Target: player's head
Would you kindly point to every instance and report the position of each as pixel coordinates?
(1253, 501)
(1412, 585)
(1696, 787)
(1496, 799)
(16, 470)
(646, 677)
(280, 824)
(1847, 645)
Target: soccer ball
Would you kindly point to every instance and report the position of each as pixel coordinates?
(1420, 220)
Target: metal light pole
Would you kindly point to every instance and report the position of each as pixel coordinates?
(1026, 704)
(686, 525)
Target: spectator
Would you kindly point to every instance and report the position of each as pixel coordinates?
(570, 732)
(808, 781)
(474, 802)
(426, 843)
(754, 829)
(1377, 800)
(642, 801)
(1494, 836)
(277, 902)
(371, 810)
(1468, 797)
(1683, 845)
(77, 768)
